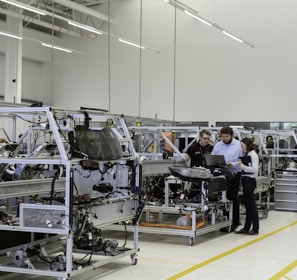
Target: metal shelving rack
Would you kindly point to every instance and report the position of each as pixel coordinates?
(49, 125)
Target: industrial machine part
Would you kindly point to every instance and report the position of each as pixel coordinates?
(24, 256)
(87, 236)
(25, 171)
(5, 218)
(86, 190)
(58, 263)
(96, 144)
(191, 174)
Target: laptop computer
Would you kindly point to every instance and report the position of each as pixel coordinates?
(215, 160)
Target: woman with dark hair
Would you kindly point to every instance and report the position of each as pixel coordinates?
(249, 165)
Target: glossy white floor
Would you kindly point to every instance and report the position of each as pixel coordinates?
(270, 255)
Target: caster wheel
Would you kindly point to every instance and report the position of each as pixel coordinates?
(191, 241)
(134, 260)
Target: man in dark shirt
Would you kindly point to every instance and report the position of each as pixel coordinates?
(195, 153)
(197, 150)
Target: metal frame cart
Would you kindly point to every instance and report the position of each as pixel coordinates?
(160, 216)
(204, 217)
(45, 189)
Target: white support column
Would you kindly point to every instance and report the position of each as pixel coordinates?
(13, 62)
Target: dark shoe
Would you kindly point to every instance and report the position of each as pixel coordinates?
(242, 231)
(225, 229)
(253, 232)
(233, 227)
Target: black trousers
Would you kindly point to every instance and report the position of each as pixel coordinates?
(232, 194)
(252, 218)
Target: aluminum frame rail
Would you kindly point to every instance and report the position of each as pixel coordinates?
(16, 120)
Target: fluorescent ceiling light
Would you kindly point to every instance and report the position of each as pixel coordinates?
(132, 44)
(85, 27)
(8, 34)
(198, 18)
(179, 5)
(191, 12)
(74, 23)
(50, 45)
(232, 36)
(56, 47)
(70, 22)
(11, 35)
(25, 7)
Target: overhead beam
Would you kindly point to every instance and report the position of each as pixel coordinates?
(84, 10)
(43, 23)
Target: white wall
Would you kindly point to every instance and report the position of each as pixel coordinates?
(36, 67)
(33, 88)
(214, 79)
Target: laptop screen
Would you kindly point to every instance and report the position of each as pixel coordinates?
(214, 160)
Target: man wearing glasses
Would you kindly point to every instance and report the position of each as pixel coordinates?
(197, 150)
(195, 153)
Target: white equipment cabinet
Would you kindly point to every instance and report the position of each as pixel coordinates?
(50, 191)
(285, 190)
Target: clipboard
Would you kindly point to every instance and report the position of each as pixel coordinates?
(246, 160)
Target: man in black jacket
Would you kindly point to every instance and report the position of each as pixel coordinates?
(197, 150)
